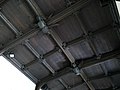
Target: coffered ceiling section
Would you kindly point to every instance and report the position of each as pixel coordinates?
(63, 44)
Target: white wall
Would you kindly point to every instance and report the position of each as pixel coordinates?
(13, 79)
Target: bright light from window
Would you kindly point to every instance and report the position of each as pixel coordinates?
(13, 79)
(118, 5)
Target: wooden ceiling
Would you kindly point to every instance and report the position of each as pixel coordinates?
(63, 44)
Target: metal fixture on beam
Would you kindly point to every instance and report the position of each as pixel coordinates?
(76, 69)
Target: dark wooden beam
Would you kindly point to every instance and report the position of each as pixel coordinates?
(85, 78)
(13, 28)
(19, 40)
(100, 59)
(105, 76)
(68, 11)
(59, 42)
(36, 8)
